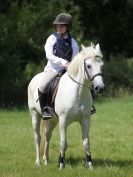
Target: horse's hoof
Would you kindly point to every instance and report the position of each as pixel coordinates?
(45, 162)
(61, 166)
(88, 165)
(37, 163)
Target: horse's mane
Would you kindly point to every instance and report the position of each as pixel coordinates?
(74, 66)
(78, 60)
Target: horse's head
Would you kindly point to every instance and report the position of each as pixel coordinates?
(93, 66)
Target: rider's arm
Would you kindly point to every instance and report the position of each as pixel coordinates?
(75, 48)
(49, 52)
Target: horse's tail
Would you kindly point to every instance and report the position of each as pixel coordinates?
(42, 133)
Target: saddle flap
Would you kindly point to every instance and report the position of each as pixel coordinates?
(52, 90)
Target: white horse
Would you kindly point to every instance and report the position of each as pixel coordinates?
(73, 102)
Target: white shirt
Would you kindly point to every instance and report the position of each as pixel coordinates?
(55, 63)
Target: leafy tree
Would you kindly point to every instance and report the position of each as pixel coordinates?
(26, 24)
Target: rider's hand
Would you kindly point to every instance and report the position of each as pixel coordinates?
(66, 65)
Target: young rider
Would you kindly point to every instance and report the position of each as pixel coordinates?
(60, 49)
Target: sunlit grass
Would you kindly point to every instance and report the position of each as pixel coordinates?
(111, 144)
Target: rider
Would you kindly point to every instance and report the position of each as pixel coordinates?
(60, 49)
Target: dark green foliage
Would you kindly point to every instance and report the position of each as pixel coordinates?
(118, 74)
(25, 25)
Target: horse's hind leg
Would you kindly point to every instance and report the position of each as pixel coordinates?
(63, 142)
(85, 124)
(47, 131)
(36, 128)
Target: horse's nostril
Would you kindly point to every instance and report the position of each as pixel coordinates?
(99, 89)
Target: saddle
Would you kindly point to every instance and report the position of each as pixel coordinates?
(52, 89)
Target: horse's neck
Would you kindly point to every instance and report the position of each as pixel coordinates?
(79, 82)
(80, 76)
(76, 77)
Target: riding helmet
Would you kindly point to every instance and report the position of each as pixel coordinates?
(63, 18)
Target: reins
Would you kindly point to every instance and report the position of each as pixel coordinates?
(78, 82)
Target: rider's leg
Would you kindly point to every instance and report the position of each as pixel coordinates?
(47, 112)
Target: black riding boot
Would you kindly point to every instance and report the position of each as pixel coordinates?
(47, 112)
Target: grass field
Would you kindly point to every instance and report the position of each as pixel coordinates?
(111, 138)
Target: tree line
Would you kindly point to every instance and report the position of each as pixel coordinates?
(26, 24)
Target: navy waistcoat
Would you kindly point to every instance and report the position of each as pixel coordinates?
(63, 47)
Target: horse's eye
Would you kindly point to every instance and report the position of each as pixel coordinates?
(88, 66)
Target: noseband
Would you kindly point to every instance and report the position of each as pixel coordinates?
(93, 77)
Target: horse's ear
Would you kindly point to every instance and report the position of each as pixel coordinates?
(97, 48)
(83, 47)
(92, 45)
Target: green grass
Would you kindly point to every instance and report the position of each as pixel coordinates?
(111, 136)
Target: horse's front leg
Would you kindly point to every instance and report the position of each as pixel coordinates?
(36, 128)
(63, 142)
(85, 124)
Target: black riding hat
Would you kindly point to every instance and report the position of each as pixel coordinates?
(62, 19)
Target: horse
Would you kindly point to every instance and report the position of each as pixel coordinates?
(73, 102)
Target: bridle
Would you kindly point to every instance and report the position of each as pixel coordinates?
(88, 76)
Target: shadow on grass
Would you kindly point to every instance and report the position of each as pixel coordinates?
(101, 162)
(112, 163)
(74, 161)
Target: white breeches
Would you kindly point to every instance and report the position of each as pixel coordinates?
(46, 78)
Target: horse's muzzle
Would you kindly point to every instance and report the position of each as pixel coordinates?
(99, 89)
